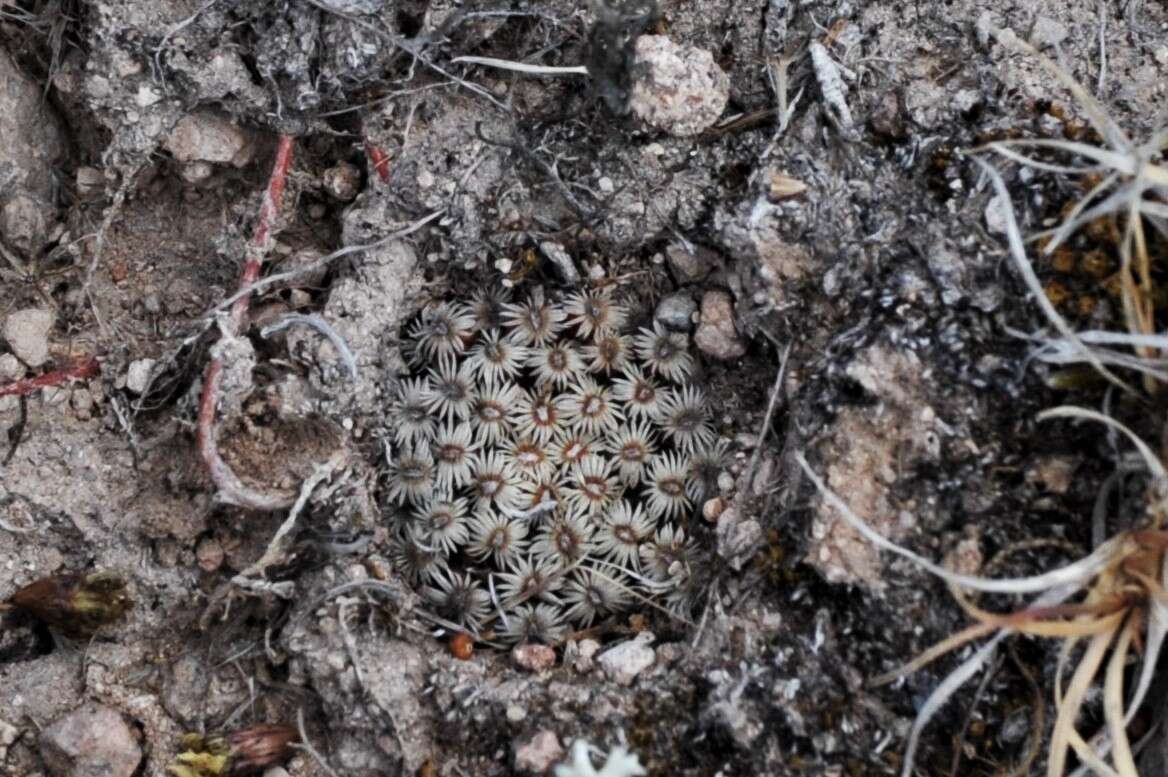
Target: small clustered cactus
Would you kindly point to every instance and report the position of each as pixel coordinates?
(545, 463)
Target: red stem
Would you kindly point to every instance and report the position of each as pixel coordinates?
(378, 159)
(230, 487)
(81, 368)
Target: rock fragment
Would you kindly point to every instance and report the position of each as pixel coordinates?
(138, 375)
(23, 222)
(689, 266)
(624, 662)
(27, 334)
(676, 312)
(582, 658)
(93, 741)
(539, 753)
(207, 136)
(8, 735)
(533, 657)
(716, 335)
(32, 134)
(678, 89)
(209, 554)
(738, 537)
(342, 181)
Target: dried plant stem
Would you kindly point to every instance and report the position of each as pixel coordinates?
(378, 159)
(80, 369)
(231, 488)
(523, 67)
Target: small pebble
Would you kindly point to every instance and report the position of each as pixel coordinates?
(92, 741)
(82, 402)
(676, 312)
(539, 753)
(586, 650)
(713, 508)
(677, 88)
(725, 482)
(342, 181)
(8, 735)
(624, 662)
(533, 657)
(138, 375)
(197, 172)
(211, 136)
(10, 367)
(996, 215)
(688, 267)
(27, 334)
(561, 260)
(716, 335)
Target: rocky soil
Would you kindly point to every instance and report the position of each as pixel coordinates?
(781, 182)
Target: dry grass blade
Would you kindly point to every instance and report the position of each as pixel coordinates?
(1034, 285)
(944, 647)
(1151, 461)
(1067, 708)
(1096, 112)
(1113, 702)
(1122, 589)
(1080, 572)
(1133, 191)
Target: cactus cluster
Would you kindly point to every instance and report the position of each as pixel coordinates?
(545, 463)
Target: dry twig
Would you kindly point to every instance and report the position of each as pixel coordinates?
(231, 488)
(81, 369)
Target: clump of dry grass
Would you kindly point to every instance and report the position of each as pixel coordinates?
(1119, 602)
(1132, 187)
(1113, 602)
